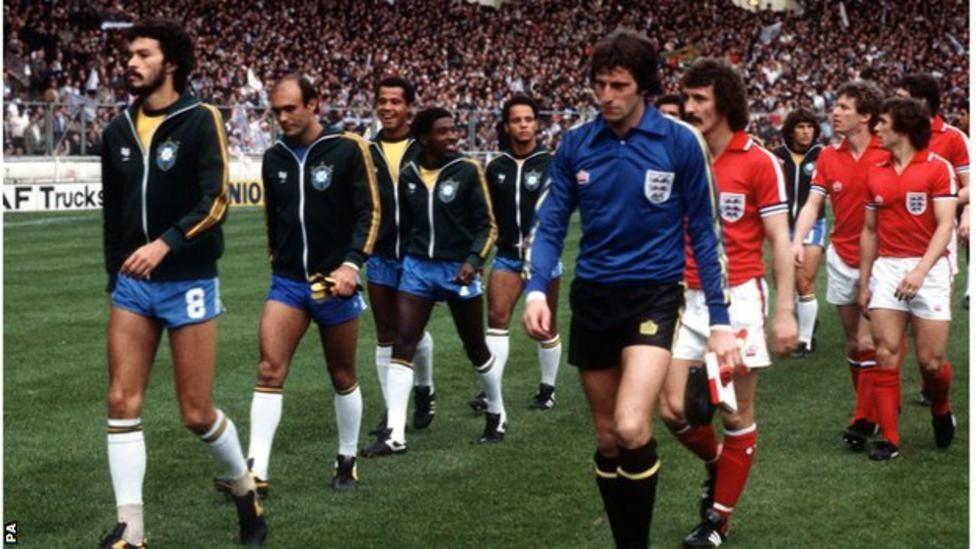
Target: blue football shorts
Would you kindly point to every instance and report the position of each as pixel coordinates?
(297, 294)
(175, 303)
(432, 279)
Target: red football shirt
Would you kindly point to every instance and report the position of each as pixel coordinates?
(751, 186)
(842, 177)
(903, 202)
(950, 143)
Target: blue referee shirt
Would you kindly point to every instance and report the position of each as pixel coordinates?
(635, 195)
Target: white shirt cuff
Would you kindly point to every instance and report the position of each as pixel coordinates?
(535, 295)
(351, 264)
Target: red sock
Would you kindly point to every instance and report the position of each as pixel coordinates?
(732, 471)
(700, 440)
(863, 402)
(887, 394)
(937, 384)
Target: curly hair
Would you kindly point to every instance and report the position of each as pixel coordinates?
(175, 43)
(727, 85)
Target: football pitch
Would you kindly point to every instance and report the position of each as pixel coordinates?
(535, 490)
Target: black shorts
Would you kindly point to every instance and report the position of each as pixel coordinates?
(606, 319)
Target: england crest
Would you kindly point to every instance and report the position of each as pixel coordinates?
(915, 203)
(321, 177)
(448, 191)
(532, 180)
(166, 154)
(657, 186)
(732, 206)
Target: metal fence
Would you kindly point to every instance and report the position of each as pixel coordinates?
(74, 129)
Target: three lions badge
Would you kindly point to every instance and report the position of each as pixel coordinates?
(657, 186)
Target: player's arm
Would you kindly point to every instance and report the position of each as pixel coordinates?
(774, 210)
(268, 194)
(212, 177)
(784, 330)
(943, 192)
(699, 196)
(111, 218)
(807, 217)
(366, 208)
(556, 203)
(486, 228)
(869, 252)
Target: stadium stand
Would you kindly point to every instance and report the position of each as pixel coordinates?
(64, 66)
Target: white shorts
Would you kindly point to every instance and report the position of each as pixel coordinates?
(841, 280)
(748, 314)
(933, 300)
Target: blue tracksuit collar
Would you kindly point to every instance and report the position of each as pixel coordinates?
(652, 122)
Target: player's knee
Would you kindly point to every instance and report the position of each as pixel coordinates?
(672, 413)
(342, 379)
(930, 360)
(477, 351)
(606, 438)
(122, 405)
(498, 318)
(198, 419)
(384, 331)
(805, 286)
(741, 418)
(272, 373)
(631, 432)
(864, 343)
(886, 355)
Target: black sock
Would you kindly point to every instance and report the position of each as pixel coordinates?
(608, 481)
(637, 487)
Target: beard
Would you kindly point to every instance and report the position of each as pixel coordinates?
(146, 89)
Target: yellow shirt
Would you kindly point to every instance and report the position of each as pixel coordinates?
(429, 177)
(146, 126)
(797, 158)
(394, 151)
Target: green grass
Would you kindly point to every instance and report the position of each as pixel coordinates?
(536, 490)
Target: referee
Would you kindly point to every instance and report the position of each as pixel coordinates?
(640, 181)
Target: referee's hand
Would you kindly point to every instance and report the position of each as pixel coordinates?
(536, 319)
(723, 343)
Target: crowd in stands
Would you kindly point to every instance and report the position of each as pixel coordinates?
(64, 60)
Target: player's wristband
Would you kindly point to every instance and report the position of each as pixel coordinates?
(535, 295)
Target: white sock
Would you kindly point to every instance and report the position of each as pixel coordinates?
(383, 353)
(399, 381)
(497, 341)
(265, 417)
(225, 448)
(550, 353)
(491, 384)
(349, 415)
(127, 466)
(806, 314)
(423, 362)
(131, 515)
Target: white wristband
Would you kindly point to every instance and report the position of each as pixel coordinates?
(535, 295)
(351, 264)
